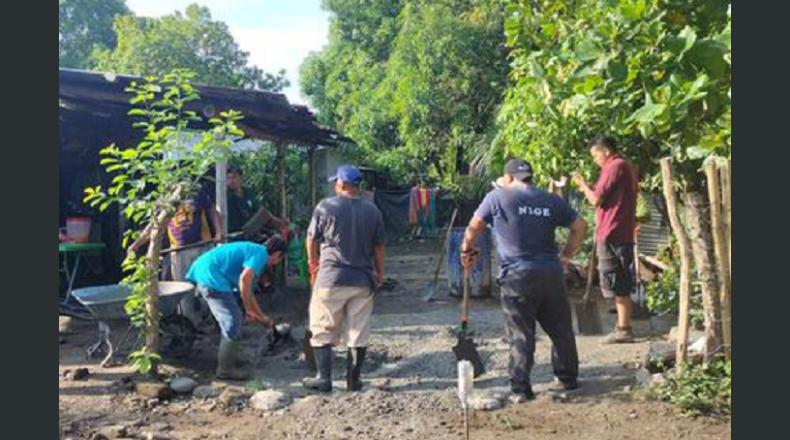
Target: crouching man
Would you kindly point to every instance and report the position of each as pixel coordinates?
(220, 276)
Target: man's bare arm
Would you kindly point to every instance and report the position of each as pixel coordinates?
(578, 232)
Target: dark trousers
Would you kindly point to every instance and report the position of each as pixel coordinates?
(533, 297)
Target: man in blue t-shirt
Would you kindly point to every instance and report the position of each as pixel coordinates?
(525, 220)
(220, 276)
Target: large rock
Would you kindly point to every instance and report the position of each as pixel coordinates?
(643, 377)
(488, 400)
(231, 396)
(113, 432)
(205, 392)
(661, 357)
(154, 390)
(694, 335)
(183, 385)
(270, 401)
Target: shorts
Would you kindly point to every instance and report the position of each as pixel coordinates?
(616, 264)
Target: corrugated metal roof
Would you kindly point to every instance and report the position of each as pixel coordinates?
(656, 234)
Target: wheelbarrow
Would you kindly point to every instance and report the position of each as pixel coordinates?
(106, 304)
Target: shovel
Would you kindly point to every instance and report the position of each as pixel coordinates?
(587, 313)
(431, 294)
(466, 349)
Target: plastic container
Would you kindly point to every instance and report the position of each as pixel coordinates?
(481, 279)
(78, 229)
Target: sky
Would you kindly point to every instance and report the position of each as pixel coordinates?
(278, 34)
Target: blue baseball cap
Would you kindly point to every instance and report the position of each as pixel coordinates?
(347, 174)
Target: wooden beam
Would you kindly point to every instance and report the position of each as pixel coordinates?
(282, 190)
(313, 175)
(686, 265)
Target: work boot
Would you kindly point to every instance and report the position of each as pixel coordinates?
(323, 382)
(521, 397)
(355, 362)
(620, 336)
(228, 362)
(565, 385)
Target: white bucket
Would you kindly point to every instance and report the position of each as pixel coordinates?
(78, 229)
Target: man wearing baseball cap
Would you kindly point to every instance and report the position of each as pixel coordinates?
(345, 247)
(525, 220)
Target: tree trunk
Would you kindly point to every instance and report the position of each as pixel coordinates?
(686, 279)
(158, 228)
(698, 217)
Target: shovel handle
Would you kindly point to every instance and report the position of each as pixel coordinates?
(466, 301)
(591, 274)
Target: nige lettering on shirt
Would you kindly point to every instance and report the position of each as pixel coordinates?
(534, 212)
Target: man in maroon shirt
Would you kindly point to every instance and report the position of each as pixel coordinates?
(615, 198)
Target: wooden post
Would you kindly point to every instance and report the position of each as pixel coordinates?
(726, 186)
(686, 286)
(222, 195)
(313, 176)
(281, 186)
(722, 254)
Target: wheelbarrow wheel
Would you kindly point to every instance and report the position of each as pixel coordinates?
(178, 336)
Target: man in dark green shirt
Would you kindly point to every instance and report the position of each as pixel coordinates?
(242, 208)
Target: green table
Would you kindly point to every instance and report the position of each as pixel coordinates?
(75, 250)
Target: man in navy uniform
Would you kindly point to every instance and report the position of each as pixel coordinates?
(525, 220)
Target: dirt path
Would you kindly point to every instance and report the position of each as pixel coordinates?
(410, 393)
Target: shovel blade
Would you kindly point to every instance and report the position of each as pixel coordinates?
(430, 295)
(466, 350)
(589, 318)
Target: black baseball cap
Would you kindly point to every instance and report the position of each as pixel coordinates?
(519, 169)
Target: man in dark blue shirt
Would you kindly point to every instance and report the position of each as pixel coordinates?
(525, 220)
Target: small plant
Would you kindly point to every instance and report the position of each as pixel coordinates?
(152, 180)
(256, 386)
(703, 390)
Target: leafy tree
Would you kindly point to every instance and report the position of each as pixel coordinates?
(655, 73)
(192, 40)
(85, 26)
(153, 179)
(651, 72)
(447, 75)
(416, 83)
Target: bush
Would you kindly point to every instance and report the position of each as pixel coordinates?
(663, 296)
(703, 390)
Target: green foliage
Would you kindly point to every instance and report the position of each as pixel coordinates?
(256, 386)
(703, 390)
(417, 84)
(143, 361)
(171, 158)
(152, 179)
(260, 180)
(653, 73)
(85, 26)
(663, 296)
(139, 281)
(194, 41)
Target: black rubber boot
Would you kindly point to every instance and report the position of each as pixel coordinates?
(323, 382)
(356, 360)
(228, 362)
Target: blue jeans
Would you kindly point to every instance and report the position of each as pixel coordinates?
(226, 310)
